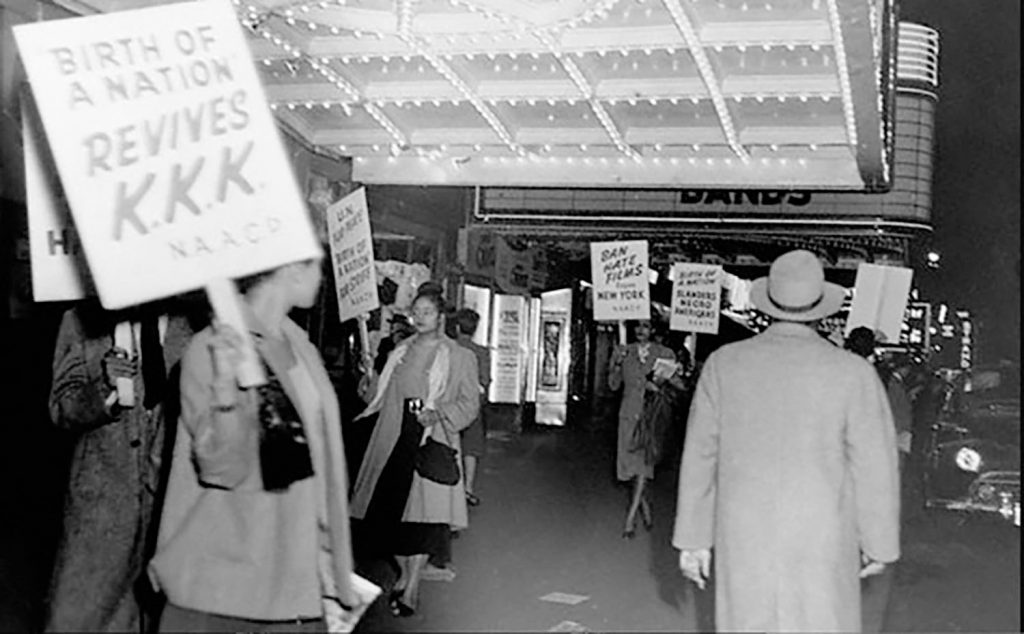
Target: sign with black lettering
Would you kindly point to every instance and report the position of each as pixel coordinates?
(620, 276)
(168, 154)
(58, 268)
(696, 297)
(355, 275)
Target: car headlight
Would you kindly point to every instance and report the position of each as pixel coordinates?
(968, 459)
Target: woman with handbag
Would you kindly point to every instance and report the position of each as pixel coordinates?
(254, 534)
(409, 495)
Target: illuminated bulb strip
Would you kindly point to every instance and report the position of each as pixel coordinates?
(446, 71)
(338, 82)
(844, 72)
(708, 75)
(587, 91)
(405, 13)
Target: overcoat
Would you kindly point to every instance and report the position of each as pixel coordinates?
(632, 377)
(429, 502)
(113, 481)
(789, 472)
(226, 545)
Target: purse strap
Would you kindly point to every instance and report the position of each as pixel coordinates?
(427, 431)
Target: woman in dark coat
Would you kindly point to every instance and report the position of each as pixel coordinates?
(116, 465)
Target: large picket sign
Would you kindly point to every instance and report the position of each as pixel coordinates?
(696, 297)
(59, 271)
(619, 273)
(880, 297)
(355, 274)
(169, 157)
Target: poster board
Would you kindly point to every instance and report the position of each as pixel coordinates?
(696, 297)
(58, 267)
(172, 165)
(507, 354)
(619, 273)
(880, 299)
(351, 244)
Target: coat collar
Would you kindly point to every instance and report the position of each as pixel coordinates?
(791, 329)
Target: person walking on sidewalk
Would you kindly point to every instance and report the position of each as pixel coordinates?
(254, 534)
(115, 470)
(630, 366)
(428, 383)
(474, 437)
(789, 472)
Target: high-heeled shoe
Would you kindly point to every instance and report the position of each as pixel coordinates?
(397, 606)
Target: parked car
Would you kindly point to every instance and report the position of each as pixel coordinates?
(973, 454)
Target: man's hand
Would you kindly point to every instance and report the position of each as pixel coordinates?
(117, 365)
(869, 567)
(696, 565)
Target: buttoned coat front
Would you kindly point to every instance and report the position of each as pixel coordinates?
(788, 473)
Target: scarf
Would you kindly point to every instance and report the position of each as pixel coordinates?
(437, 377)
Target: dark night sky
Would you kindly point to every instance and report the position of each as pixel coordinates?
(976, 195)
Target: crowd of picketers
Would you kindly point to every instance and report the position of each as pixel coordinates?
(202, 505)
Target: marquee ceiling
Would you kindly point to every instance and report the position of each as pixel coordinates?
(624, 93)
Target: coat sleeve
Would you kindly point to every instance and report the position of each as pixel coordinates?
(461, 402)
(221, 441)
(871, 455)
(78, 391)
(698, 471)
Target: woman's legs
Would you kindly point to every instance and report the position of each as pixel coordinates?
(410, 596)
(638, 491)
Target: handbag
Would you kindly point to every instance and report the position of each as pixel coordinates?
(284, 450)
(437, 461)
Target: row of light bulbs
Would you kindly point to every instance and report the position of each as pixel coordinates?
(529, 101)
(547, 149)
(525, 157)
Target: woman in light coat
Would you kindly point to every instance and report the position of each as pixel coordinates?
(630, 366)
(394, 510)
(238, 551)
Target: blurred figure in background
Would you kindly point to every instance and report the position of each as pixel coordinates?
(116, 467)
(474, 437)
(254, 534)
(862, 341)
(400, 330)
(630, 366)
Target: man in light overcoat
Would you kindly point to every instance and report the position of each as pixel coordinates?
(789, 475)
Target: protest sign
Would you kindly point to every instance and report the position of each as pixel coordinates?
(880, 297)
(169, 157)
(59, 271)
(696, 297)
(355, 274)
(619, 273)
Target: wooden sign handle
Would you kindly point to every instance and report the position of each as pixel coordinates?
(364, 340)
(622, 333)
(123, 340)
(226, 305)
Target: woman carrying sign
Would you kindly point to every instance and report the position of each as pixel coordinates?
(630, 366)
(428, 391)
(255, 530)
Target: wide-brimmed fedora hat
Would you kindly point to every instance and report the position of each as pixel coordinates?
(796, 290)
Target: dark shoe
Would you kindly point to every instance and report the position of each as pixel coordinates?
(629, 534)
(472, 500)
